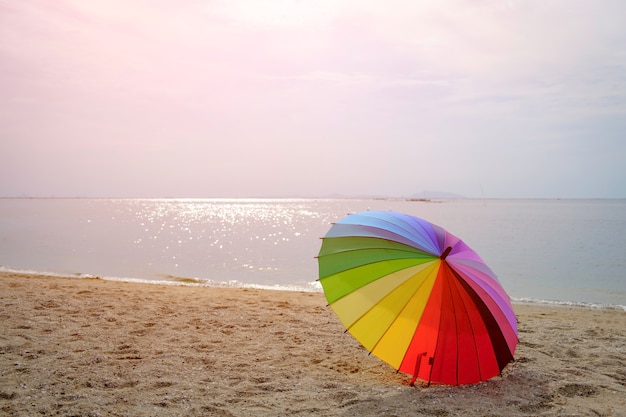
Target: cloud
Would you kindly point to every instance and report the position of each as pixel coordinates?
(310, 95)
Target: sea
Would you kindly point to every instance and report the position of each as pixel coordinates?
(562, 252)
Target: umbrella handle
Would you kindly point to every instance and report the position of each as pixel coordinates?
(418, 364)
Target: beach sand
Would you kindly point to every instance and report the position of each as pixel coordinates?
(91, 347)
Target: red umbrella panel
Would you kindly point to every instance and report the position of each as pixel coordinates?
(417, 297)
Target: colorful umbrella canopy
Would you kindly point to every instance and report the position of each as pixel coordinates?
(417, 297)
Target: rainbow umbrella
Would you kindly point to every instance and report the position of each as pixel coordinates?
(417, 297)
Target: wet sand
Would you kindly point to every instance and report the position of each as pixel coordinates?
(90, 347)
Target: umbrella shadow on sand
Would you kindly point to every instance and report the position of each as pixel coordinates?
(518, 393)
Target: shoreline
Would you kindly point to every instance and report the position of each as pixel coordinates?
(101, 347)
(195, 282)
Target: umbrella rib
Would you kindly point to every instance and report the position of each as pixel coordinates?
(375, 262)
(437, 343)
(483, 309)
(410, 228)
(460, 282)
(374, 305)
(401, 310)
(402, 246)
(416, 251)
(411, 237)
(401, 226)
(396, 251)
(501, 300)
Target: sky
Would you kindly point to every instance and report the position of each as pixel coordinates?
(307, 98)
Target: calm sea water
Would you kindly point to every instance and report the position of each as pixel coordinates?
(553, 250)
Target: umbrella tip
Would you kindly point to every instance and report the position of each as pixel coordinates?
(445, 253)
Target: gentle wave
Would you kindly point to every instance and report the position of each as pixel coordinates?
(169, 280)
(312, 287)
(559, 303)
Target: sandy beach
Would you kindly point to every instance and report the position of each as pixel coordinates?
(90, 347)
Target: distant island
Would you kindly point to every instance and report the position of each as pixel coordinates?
(434, 194)
(423, 196)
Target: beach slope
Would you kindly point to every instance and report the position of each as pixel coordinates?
(91, 347)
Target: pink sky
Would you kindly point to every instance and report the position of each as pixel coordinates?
(129, 98)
